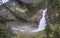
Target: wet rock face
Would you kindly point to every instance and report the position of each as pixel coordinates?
(15, 14)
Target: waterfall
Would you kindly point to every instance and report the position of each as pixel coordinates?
(41, 25)
(42, 22)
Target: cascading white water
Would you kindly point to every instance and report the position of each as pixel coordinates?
(42, 23)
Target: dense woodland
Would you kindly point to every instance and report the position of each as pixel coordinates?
(52, 29)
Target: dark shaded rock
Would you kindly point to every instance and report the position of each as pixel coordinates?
(5, 14)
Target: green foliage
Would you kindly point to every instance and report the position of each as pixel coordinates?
(54, 11)
(56, 4)
(50, 2)
(31, 9)
(48, 31)
(57, 32)
(30, 6)
(54, 32)
(4, 33)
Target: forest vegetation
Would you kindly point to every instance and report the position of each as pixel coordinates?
(52, 29)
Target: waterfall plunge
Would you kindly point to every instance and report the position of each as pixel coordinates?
(42, 23)
(41, 26)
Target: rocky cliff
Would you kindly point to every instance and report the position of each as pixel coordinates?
(18, 12)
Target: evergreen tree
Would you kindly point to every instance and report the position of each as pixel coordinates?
(57, 32)
(4, 32)
(48, 31)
